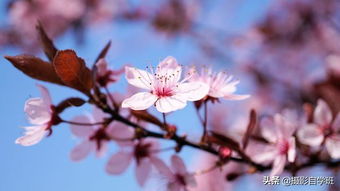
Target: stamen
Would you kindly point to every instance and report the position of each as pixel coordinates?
(143, 80)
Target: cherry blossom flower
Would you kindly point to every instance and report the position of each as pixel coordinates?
(178, 178)
(166, 91)
(279, 133)
(96, 137)
(143, 152)
(220, 84)
(41, 115)
(323, 130)
(106, 76)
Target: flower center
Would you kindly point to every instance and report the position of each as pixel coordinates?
(141, 151)
(99, 136)
(283, 147)
(326, 130)
(163, 92)
(180, 179)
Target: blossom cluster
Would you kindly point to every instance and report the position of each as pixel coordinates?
(124, 120)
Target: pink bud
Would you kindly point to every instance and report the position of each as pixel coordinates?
(224, 152)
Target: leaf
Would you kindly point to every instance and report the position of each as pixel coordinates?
(35, 68)
(72, 71)
(145, 116)
(103, 53)
(47, 44)
(73, 101)
(250, 128)
(223, 140)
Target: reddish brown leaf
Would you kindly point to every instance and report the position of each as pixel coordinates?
(250, 128)
(103, 53)
(47, 44)
(72, 71)
(74, 101)
(145, 116)
(35, 68)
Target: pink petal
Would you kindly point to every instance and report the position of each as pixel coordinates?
(235, 97)
(81, 151)
(139, 78)
(140, 101)
(45, 95)
(33, 135)
(170, 66)
(168, 63)
(143, 171)
(292, 150)
(278, 165)
(333, 145)
(118, 162)
(336, 123)
(178, 165)
(322, 113)
(168, 104)
(162, 167)
(82, 130)
(310, 135)
(230, 86)
(290, 122)
(265, 155)
(98, 115)
(190, 180)
(280, 125)
(37, 111)
(268, 130)
(122, 132)
(175, 186)
(193, 91)
(101, 67)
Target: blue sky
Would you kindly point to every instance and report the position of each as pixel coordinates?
(46, 166)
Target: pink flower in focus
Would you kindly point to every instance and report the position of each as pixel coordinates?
(143, 152)
(106, 76)
(96, 137)
(165, 89)
(178, 179)
(220, 84)
(279, 133)
(324, 129)
(40, 112)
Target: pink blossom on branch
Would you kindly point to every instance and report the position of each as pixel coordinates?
(281, 142)
(178, 178)
(324, 129)
(96, 137)
(221, 85)
(105, 75)
(165, 88)
(143, 152)
(41, 115)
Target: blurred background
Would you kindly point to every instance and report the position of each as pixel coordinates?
(285, 53)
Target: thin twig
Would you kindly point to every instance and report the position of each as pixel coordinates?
(111, 98)
(83, 124)
(205, 122)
